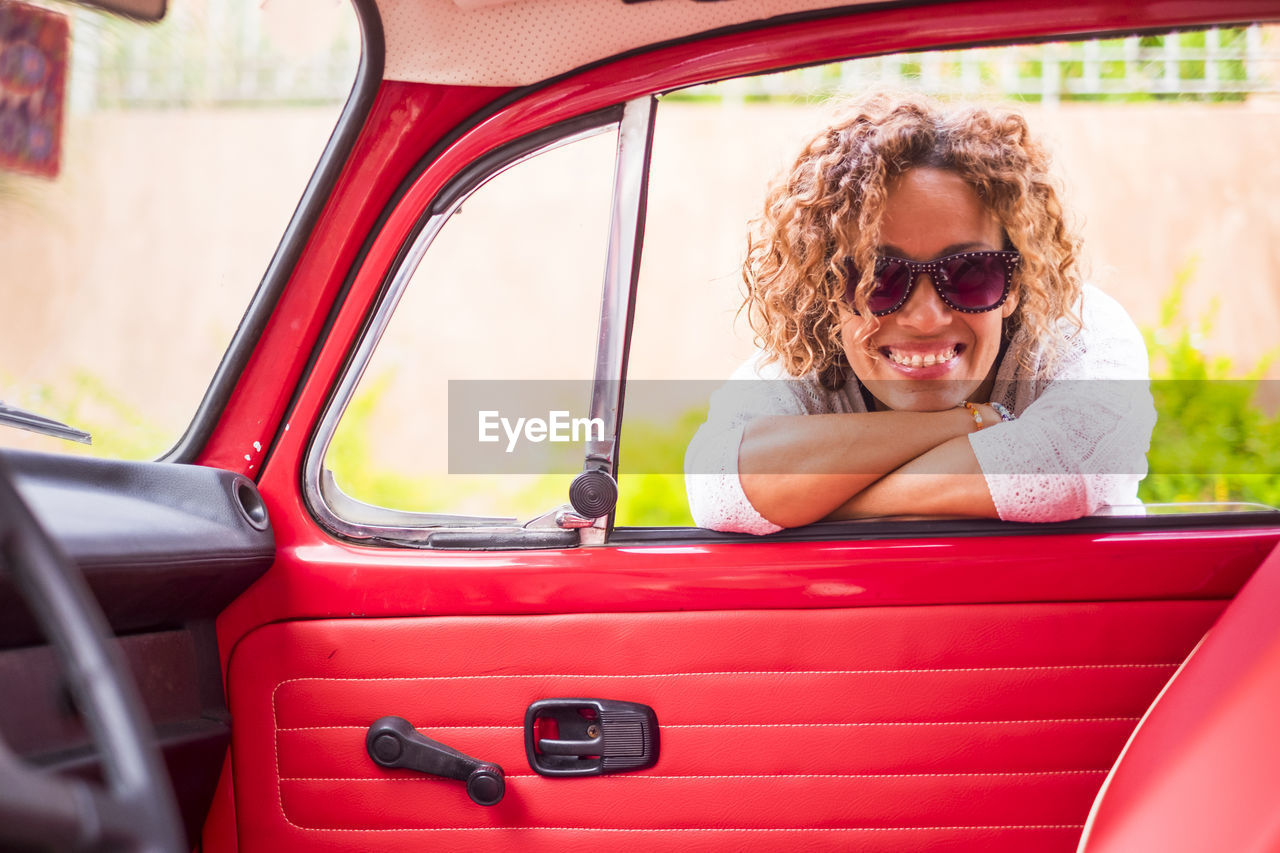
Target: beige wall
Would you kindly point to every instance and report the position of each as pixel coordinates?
(1157, 190)
(136, 265)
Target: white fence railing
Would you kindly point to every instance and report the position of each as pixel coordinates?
(1219, 64)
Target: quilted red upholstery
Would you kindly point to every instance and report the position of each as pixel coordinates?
(977, 727)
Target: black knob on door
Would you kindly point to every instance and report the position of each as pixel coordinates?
(593, 494)
(394, 742)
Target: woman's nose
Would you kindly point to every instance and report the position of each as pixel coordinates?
(924, 311)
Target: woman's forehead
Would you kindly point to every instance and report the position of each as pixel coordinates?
(930, 211)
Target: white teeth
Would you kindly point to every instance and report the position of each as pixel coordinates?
(922, 360)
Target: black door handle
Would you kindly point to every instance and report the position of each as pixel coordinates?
(394, 742)
(586, 746)
(589, 737)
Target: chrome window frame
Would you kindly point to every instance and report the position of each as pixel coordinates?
(352, 519)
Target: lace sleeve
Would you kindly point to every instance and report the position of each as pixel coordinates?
(716, 499)
(1082, 434)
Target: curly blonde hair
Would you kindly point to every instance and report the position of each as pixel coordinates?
(827, 207)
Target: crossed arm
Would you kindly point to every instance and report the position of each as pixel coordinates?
(796, 469)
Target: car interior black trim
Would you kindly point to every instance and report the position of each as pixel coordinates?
(160, 544)
(37, 717)
(192, 752)
(314, 198)
(519, 539)
(134, 808)
(935, 528)
(162, 612)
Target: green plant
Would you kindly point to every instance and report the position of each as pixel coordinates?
(356, 471)
(655, 495)
(1212, 440)
(82, 400)
(352, 464)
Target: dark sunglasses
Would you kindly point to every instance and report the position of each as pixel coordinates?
(971, 282)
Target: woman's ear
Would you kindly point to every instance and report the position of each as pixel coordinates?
(1010, 305)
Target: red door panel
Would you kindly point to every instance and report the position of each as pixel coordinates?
(957, 727)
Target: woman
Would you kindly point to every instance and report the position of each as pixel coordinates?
(926, 344)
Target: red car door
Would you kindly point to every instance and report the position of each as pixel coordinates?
(886, 685)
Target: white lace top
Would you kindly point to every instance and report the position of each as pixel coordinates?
(1079, 442)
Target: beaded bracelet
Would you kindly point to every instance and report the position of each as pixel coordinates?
(1001, 410)
(972, 410)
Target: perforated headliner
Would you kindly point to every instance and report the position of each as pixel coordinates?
(518, 42)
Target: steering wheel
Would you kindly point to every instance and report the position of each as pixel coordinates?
(134, 808)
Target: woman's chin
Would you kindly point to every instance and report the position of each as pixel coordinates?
(921, 395)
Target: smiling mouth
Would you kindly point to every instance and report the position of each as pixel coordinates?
(922, 359)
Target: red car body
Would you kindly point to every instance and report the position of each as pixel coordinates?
(929, 687)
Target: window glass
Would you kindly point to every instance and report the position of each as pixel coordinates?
(506, 303)
(1164, 144)
(184, 148)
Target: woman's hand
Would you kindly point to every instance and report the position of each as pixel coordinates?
(946, 480)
